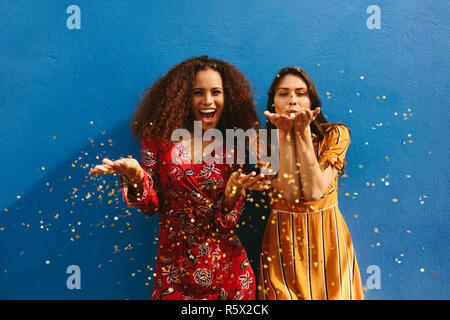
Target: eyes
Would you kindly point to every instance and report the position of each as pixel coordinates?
(297, 93)
(200, 92)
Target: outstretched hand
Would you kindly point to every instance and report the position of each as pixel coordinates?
(281, 121)
(303, 119)
(300, 121)
(239, 181)
(129, 166)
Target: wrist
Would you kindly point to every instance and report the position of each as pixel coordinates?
(303, 134)
(286, 135)
(234, 190)
(135, 175)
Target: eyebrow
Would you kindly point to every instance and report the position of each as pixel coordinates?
(302, 88)
(200, 88)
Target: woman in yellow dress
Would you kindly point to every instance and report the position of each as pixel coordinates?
(307, 252)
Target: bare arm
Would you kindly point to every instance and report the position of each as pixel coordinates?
(287, 181)
(138, 185)
(314, 181)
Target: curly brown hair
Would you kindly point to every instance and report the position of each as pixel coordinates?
(166, 105)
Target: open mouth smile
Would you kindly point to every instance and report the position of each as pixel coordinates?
(207, 114)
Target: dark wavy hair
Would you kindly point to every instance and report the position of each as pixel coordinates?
(166, 105)
(320, 126)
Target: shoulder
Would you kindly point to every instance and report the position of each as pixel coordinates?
(338, 132)
(151, 141)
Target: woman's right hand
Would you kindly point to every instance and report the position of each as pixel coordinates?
(281, 121)
(128, 166)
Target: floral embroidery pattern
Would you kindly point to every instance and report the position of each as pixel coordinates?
(246, 280)
(203, 277)
(148, 157)
(172, 274)
(207, 170)
(204, 249)
(199, 255)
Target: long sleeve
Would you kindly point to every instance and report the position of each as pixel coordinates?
(228, 218)
(148, 201)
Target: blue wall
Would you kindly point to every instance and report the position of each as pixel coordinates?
(67, 96)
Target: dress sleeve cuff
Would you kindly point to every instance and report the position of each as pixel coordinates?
(228, 218)
(333, 160)
(130, 194)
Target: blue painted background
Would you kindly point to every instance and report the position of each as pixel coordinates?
(67, 97)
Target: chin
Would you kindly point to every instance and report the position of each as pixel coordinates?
(207, 126)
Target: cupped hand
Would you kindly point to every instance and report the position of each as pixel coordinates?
(239, 181)
(303, 119)
(282, 122)
(129, 166)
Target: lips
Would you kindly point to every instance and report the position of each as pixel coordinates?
(207, 114)
(292, 113)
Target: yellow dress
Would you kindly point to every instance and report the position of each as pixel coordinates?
(307, 252)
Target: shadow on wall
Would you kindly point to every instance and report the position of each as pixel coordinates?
(72, 219)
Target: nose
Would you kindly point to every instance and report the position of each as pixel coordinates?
(292, 100)
(208, 99)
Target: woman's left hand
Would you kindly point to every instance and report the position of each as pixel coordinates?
(303, 119)
(239, 181)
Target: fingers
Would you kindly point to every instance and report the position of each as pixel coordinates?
(312, 114)
(308, 114)
(305, 117)
(245, 179)
(252, 181)
(237, 173)
(262, 185)
(100, 169)
(302, 116)
(281, 121)
(316, 112)
(268, 113)
(120, 165)
(107, 162)
(110, 167)
(273, 117)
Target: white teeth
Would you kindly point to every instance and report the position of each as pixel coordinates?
(208, 111)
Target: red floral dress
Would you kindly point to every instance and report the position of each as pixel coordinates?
(200, 256)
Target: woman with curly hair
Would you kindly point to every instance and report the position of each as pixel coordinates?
(307, 252)
(200, 255)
